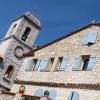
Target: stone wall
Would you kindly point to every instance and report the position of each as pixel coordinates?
(70, 46)
(62, 93)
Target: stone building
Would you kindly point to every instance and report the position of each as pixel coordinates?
(67, 68)
(18, 40)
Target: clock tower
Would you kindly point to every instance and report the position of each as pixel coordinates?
(19, 39)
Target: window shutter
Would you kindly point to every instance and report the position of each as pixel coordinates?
(92, 37)
(53, 94)
(27, 64)
(75, 64)
(64, 63)
(85, 39)
(70, 96)
(75, 96)
(38, 92)
(31, 63)
(43, 64)
(91, 62)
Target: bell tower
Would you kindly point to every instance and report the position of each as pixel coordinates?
(20, 38)
(25, 28)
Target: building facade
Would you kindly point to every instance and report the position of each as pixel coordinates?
(65, 69)
(19, 39)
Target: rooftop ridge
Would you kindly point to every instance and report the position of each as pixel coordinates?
(30, 53)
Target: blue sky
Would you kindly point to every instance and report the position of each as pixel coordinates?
(58, 17)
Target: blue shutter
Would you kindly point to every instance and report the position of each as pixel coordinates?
(91, 62)
(76, 61)
(64, 63)
(92, 37)
(53, 94)
(31, 63)
(27, 63)
(70, 96)
(43, 64)
(75, 96)
(85, 39)
(38, 92)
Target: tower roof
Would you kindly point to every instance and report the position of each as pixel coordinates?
(30, 18)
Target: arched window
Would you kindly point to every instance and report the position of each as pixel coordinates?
(73, 96)
(26, 33)
(9, 72)
(38, 92)
(53, 94)
(1, 63)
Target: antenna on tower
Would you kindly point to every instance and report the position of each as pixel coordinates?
(34, 11)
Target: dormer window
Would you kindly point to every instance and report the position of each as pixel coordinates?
(26, 34)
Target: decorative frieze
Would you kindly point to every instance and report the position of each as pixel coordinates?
(95, 86)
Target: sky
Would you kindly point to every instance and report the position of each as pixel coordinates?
(58, 17)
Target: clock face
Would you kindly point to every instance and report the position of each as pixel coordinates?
(19, 51)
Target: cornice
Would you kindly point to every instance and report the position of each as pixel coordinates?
(92, 86)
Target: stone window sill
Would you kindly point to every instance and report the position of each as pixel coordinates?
(82, 70)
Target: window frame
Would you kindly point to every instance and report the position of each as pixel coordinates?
(10, 73)
(1, 61)
(60, 62)
(83, 58)
(26, 34)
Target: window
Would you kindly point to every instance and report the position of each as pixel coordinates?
(85, 60)
(38, 92)
(62, 64)
(9, 72)
(34, 63)
(90, 38)
(26, 34)
(59, 63)
(27, 64)
(1, 63)
(36, 67)
(41, 64)
(51, 62)
(88, 61)
(53, 94)
(73, 96)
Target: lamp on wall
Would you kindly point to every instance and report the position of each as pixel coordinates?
(46, 93)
